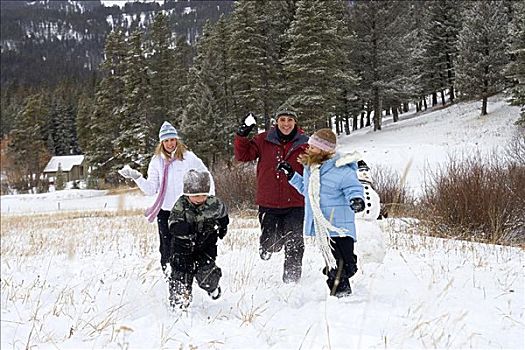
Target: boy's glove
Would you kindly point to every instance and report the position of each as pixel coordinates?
(286, 168)
(222, 232)
(129, 173)
(223, 226)
(357, 204)
(247, 125)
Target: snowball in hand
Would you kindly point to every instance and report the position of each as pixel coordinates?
(250, 120)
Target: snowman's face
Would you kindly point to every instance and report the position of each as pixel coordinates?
(363, 174)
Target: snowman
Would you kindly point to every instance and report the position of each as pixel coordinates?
(371, 247)
(372, 201)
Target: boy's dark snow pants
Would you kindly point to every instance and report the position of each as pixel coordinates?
(193, 262)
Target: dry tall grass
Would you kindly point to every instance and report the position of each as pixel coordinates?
(475, 198)
(236, 185)
(396, 198)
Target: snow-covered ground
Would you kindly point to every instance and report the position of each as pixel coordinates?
(80, 270)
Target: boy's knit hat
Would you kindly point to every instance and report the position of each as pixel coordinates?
(167, 131)
(324, 139)
(196, 183)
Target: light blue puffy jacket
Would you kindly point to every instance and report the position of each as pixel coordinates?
(339, 184)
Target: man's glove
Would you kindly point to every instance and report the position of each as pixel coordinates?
(247, 125)
(129, 173)
(357, 204)
(286, 168)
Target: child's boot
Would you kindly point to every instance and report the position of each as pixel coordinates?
(216, 294)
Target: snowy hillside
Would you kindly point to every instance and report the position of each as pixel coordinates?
(80, 270)
(426, 140)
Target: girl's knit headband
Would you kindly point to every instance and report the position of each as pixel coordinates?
(322, 144)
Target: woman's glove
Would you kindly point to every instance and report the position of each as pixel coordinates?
(129, 173)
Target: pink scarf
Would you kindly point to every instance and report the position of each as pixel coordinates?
(152, 211)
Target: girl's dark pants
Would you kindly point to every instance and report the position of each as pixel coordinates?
(343, 252)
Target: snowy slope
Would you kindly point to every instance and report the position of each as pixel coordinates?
(89, 278)
(423, 141)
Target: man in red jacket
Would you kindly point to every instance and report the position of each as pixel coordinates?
(281, 207)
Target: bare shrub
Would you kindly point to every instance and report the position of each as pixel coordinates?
(515, 150)
(236, 185)
(476, 199)
(396, 199)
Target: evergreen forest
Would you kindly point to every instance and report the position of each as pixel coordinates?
(81, 78)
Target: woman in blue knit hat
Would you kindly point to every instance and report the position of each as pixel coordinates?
(171, 160)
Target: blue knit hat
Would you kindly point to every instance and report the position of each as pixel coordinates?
(167, 131)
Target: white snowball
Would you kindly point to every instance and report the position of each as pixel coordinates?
(250, 120)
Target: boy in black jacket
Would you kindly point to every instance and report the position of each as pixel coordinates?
(196, 221)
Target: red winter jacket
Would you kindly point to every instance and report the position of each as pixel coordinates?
(273, 189)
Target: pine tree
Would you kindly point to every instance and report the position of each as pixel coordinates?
(183, 59)
(207, 120)
(109, 101)
(483, 47)
(375, 53)
(27, 146)
(316, 71)
(347, 103)
(161, 63)
(134, 143)
(400, 78)
(60, 181)
(516, 68)
(12, 99)
(441, 46)
(83, 119)
(62, 121)
(256, 51)
(415, 43)
(202, 113)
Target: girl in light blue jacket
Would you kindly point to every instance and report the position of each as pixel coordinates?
(332, 194)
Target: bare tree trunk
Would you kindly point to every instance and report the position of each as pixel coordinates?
(395, 114)
(442, 97)
(434, 99)
(406, 107)
(378, 109)
(449, 76)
